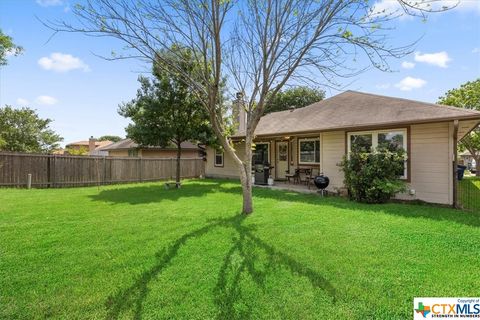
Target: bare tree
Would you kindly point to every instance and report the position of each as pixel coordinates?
(255, 46)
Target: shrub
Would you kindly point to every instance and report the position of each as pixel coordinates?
(374, 177)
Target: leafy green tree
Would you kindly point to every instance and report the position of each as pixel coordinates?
(467, 96)
(22, 130)
(296, 97)
(109, 138)
(166, 112)
(82, 151)
(6, 47)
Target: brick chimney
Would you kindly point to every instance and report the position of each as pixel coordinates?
(91, 144)
(238, 113)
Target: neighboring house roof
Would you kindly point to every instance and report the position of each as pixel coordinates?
(465, 153)
(353, 109)
(130, 144)
(85, 143)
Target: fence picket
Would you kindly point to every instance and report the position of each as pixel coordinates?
(58, 171)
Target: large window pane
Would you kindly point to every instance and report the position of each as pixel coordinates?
(361, 142)
(260, 154)
(309, 151)
(391, 140)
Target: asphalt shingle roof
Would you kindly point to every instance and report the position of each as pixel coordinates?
(130, 144)
(353, 109)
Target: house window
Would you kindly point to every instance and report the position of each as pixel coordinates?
(133, 153)
(309, 151)
(218, 158)
(260, 155)
(361, 142)
(380, 140)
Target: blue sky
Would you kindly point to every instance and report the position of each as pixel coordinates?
(63, 80)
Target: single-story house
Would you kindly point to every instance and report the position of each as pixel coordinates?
(91, 147)
(319, 135)
(129, 148)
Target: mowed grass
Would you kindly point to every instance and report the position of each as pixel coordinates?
(469, 193)
(140, 251)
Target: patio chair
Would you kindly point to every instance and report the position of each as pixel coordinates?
(310, 178)
(303, 173)
(292, 176)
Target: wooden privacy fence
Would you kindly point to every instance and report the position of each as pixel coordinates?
(57, 171)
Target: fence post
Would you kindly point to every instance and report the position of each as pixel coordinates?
(54, 169)
(171, 168)
(49, 179)
(141, 171)
(29, 181)
(104, 170)
(455, 164)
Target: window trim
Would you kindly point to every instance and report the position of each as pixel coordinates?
(299, 141)
(375, 133)
(217, 153)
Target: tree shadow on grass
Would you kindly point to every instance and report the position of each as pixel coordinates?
(143, 194)
(200, 188)
(131, 299)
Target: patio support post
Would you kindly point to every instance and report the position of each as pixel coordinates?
(455, 163)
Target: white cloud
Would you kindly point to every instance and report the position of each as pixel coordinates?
(409, 83)
(46, 100)
(61, 62)
(49, 3)
(408, 65)
(476, 50)
(439, 59)
(22, 102)
(383, 86)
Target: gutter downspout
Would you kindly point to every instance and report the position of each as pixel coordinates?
(455, 163)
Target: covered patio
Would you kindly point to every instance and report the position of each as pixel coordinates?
(285, 185)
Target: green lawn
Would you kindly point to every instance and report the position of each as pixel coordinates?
(469, 193)
(140, 251)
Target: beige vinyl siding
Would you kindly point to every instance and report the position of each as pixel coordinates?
(430, 161)
(229, 170)
(118, 153)
(293, 155)
(332, 149)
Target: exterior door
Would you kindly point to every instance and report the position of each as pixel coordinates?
(282, 159)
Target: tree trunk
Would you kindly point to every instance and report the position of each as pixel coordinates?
(246, 178)
(179, 155)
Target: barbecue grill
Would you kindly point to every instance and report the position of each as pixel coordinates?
(321, 182)
(262, 172)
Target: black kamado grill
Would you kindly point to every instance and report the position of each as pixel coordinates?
(321, 182)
